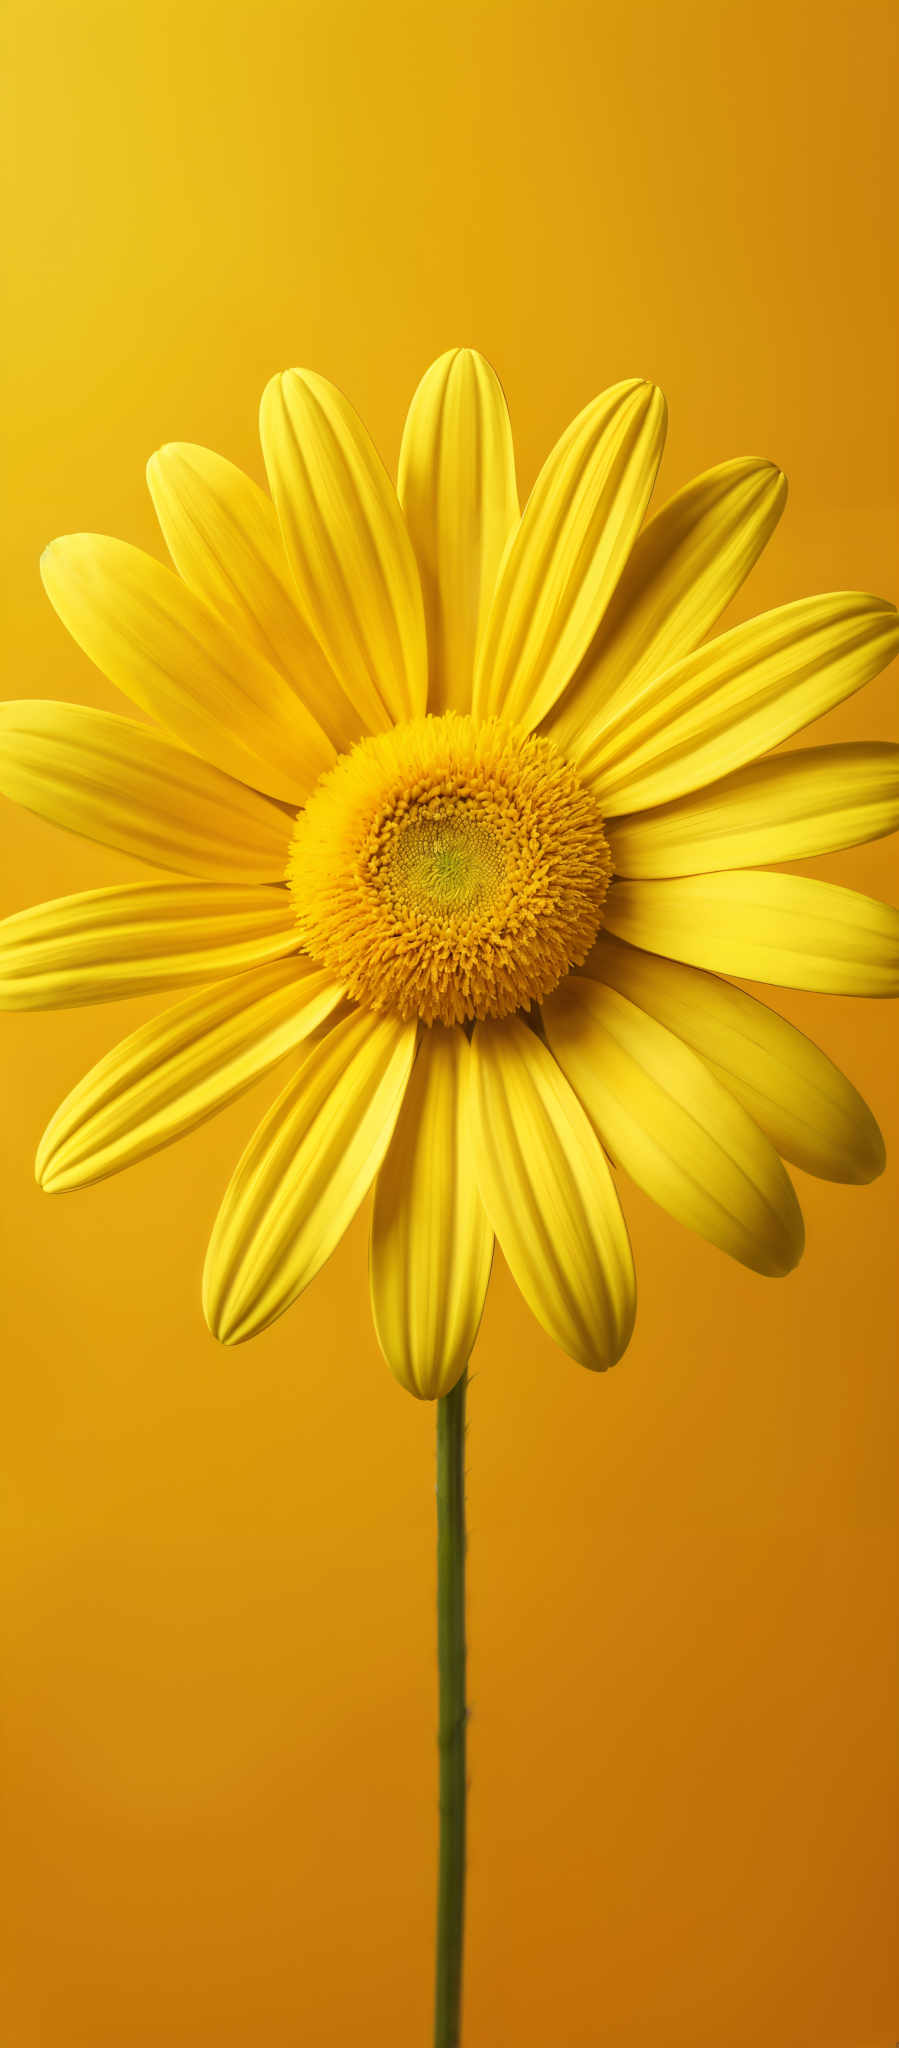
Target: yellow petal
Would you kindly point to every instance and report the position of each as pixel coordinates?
(683, 570)
(107, 943)
(568, 553)
(764, 927)
(457, 488)
(305, 1172)
(673, 1127)
(223, 536)
(127, 786)
(548, 1192)
(737, 697)
(357, 582)
(793, 1091)
(812, 801)
(180, 1069)
(170, 654)
(431, 1244)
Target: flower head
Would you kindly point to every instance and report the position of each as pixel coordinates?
(469, 819)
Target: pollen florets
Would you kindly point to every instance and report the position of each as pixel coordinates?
(450, 870)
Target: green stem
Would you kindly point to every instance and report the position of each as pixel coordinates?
(453, 1714)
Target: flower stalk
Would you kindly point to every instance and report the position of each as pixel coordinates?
(453, 1713)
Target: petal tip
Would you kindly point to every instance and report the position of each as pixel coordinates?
(220, 1326)
(472, 358)
(871, 1157)
(272, 393)
(213, 1312)
(649, 409)
(50, 1167)
(788, 1253)
(309, 381)
(163, 458)
(648, 399)
(222, 1314)
(612, 1353)
(230, 1340)
(70, 552)
(775, 483)
(49, 553)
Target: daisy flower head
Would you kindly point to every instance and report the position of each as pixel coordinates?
(463, 817)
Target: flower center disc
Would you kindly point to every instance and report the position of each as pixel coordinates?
(449, 870)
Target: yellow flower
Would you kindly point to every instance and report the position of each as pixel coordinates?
(473, 819)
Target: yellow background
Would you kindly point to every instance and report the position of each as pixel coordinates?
(220, 1704)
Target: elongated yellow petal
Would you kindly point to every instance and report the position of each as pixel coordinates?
(815, 800)
(673, 1126)
(548, 1192)
(457, 488)
(305, 1172)
(431, 1244)
(107, 943)
(568, 552)
(352, 559)
(764, 927)
(793, 1091)
(160, 644)
(127, 786)
(683, 570)
(737, 697)
(180, 1069)
(223, 536)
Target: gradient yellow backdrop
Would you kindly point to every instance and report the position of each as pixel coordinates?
(220, 1690)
